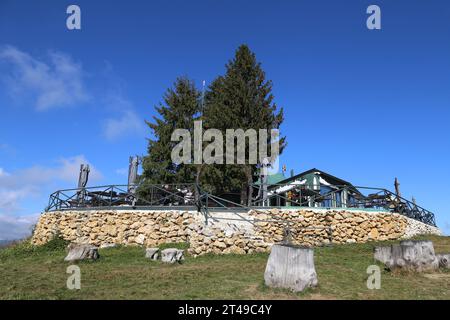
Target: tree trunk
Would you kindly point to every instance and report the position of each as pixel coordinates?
(291, 267)
(244, 194)
(408, 255)
(248, 174)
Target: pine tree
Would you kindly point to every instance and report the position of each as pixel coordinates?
(242, 99)
(179, 112)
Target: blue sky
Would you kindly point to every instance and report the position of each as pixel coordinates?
(363, 105)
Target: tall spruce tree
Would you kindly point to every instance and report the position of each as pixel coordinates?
(242, 98)
(180, 110)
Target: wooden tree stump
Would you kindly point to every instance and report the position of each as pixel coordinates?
(291, 267)
(152, 253)
(408, 255)
(172, 255)
(81, 252)
(383, 254)
(444, 260)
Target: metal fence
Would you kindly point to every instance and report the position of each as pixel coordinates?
(191, 195)
(334, 196)
(121, 195)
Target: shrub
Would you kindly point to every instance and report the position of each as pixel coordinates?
(26, 248)
(56, 244)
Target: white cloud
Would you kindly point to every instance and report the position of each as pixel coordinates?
(446, 228)
(13, 227)
(3, 172)
(9, 198)
(32, 182)
(127, 124)
(66, 170)
(52, 84)
(69, 169)
(122, 172)
(125, 121)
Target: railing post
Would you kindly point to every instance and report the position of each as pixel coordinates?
(151, 195)
(50, 199)
(58, 205)
(110, 195)
(206, 209)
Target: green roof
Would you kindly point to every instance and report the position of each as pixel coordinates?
(273, 179)
(307, 173)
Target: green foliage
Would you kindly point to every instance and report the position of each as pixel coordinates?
(240, 99)
(180, 110)
(26, 248)
(56, 244)
(18, 249)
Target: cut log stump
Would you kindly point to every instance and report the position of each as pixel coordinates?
(408, 255)
(152, 253)
(383, 254)
(444, 260)
(81, 252)
(172, 255)
(291, 267)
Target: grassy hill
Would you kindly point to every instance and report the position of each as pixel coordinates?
(29, 272)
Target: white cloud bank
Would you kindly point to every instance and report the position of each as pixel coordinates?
(55, 83)
(34, 183)
(13, 228)
(446, 228)
(127, 124)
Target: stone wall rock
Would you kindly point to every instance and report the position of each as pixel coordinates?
(415, 227)
(149, 228)
(256, 232)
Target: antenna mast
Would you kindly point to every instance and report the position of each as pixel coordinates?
(203, 97)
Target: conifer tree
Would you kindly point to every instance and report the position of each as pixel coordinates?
(180, 110)
(242, 98)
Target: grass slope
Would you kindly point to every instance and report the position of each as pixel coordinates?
(29, 272)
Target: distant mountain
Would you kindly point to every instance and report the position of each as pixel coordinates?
(4, 243)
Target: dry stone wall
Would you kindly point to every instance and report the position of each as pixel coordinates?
(225, 232)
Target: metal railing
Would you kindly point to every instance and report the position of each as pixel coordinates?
(192, 195)
(209, 201)
(121, 195)
(338, 196)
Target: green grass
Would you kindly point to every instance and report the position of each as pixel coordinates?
(29, 272)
